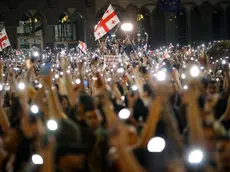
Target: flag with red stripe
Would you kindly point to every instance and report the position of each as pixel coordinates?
(109, 21)
(4, 40)
(82, 46)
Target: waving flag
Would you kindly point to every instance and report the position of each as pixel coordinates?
(4, 40)
(169, 5)
(108, 21)
(82, 46)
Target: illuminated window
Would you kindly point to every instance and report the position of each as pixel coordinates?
(68, 28)
(29, 26)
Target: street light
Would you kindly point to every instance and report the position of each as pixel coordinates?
(127, 27)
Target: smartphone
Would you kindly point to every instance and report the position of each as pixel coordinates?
(86, 83)
(45, 69)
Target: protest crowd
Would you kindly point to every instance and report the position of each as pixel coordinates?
(123, 107)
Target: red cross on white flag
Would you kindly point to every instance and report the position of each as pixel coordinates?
(4, 40)
(82, 46)
(108, 21)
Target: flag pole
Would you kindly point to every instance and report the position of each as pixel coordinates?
(117, 28)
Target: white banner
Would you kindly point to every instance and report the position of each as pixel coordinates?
(111, 60)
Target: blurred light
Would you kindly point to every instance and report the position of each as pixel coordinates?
(78, 81)
(63, 52)
(127, 27)
(185, 87)
(21, 86)
(37, 159)
(194, 71)
(156, 144)
(195, 156)
(52, 125)
(34, 109)
(134, 88)
(1, 87)
(124, 114)
(161, 76)
(39, 85)
(183, 76)
(36, 54)
(56, 76)
(223, 62)
(120, 70)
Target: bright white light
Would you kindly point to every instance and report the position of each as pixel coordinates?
(78, 81)
(123, 98)
(56, 76)
(134, 88)
(120, 70)
(156, 144)
(39, 85)
(223, 62)
(217, 79)
(161, 76)
(185, 87)
(63, 52)
(127, 27)
(36, 54)
(183, 76)
(21, 86)
(194, 71)
(195, 156)
(124, 114)
(34, 109)
(68, 71)
(109, 79)
(1, 87)
(52, 125)
(37, 159)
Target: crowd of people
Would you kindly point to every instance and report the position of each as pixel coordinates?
(155, 110)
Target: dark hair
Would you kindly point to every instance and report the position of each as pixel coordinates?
(87, 101)
(148, 90)
(212, 82)
(205, 82)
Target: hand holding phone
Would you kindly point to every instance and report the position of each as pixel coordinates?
(45, 69)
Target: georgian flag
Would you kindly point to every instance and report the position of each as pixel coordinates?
(82, 46)
(4, 40)
(108, 21)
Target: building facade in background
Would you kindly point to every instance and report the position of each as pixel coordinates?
(59, 23)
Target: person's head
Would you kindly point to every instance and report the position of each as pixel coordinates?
(212, 87)
(64, 102)
(85, 103)
(223, 158)
(204, 85)
(148, 92)
(93, 119)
